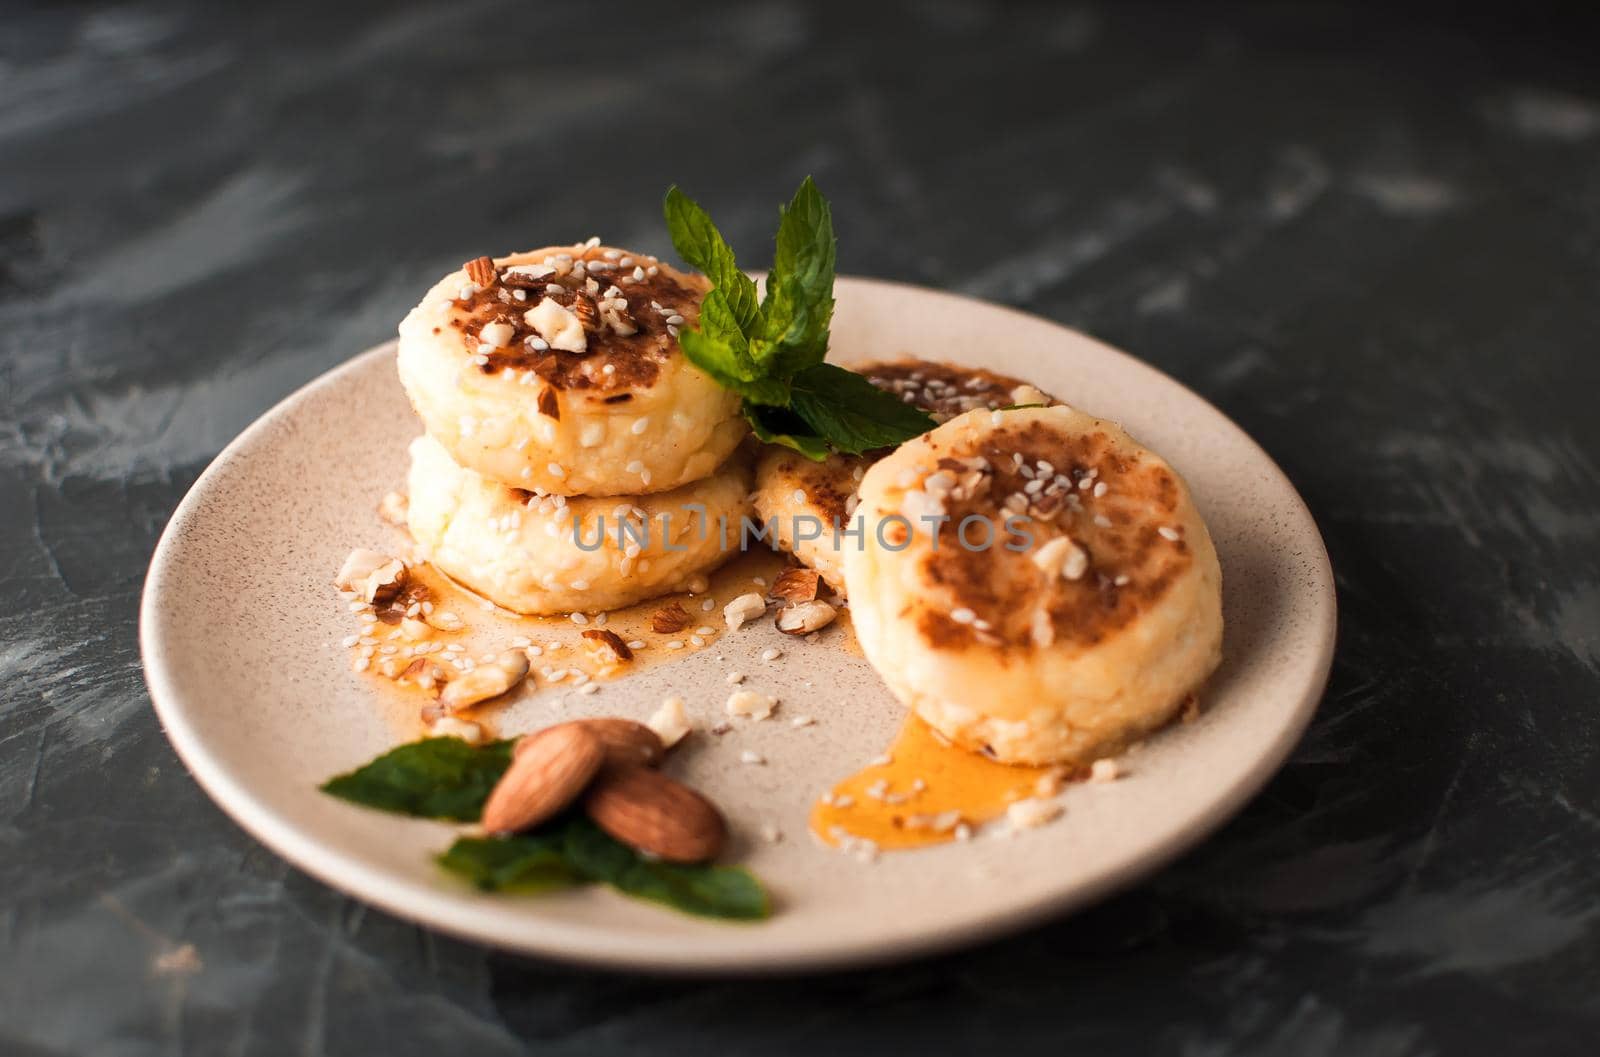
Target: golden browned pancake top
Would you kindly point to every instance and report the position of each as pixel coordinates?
(634, 360)
(1131, 563)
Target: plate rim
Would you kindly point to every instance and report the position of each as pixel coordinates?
(434, 908)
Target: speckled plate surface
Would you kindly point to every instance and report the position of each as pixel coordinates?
(240, 633)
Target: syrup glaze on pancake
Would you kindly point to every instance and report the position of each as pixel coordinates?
(585, 280)
(1114, 505)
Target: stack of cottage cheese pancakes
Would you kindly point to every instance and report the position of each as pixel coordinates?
(1026, 577)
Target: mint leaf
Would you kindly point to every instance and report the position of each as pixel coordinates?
(773, 354)
(701, 889)
(806, 246)
(779, 425)
(702, 246)
(442, 778)
(534, 862)
(794, 318)
(852, 413)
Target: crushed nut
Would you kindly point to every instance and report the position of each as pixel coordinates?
(374, 577)
(481, 271)
(1062, 557)
(796, 584)
(549, 403)
(620, 321)
(669, 619)
(670, 722)
(486, 681)
(453, 727)
(806, 617)
(751, 705)
(606, 648)
(557, 325)
(587, 314)
(742, 610)
(1105, 770)
(1026, 814)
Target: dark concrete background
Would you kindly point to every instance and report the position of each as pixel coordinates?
(1371, 238)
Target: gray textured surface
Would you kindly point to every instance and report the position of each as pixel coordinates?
(1375, 245)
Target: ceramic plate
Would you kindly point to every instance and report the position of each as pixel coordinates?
(241, 630)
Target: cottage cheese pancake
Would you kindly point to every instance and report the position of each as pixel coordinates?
(805, 499)
(559, 369)
(1084, 625)
(521, 549)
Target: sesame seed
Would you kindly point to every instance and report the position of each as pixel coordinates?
(675, 644)
(674, 320)
(635, 467)
(1168, 532)
(1100, 489)
(754, 758)
(708, 605)
(639, 426)
(580, 618)
(802, 721)
(771, 654)
(963, 615)
(557, 470)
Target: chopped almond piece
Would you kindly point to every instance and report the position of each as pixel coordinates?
(796, 584)
(669, 619)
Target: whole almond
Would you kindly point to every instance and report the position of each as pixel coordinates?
(547, 772)
(646, 810)
(626, 743)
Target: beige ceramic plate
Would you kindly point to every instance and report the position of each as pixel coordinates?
(240, 639)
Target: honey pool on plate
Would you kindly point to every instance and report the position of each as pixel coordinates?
(923, 791)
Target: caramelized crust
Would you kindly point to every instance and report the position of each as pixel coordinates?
(614, 364)
(1130, 564)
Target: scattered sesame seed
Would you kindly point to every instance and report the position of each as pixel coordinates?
(754, 758)
(1168, 532)
(802, 721)
(963, 615)
(675, 644)
(580, 618)
(771, 654)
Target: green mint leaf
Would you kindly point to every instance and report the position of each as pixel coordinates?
(723, 361)
(532, 862)
(705, 890)
(851, 413)
(443, 778)
(702, 246)
(792, 326)
(806, 246)
(779, 425)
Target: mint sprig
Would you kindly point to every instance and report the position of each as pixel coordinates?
(772, 352)
(449, 780)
